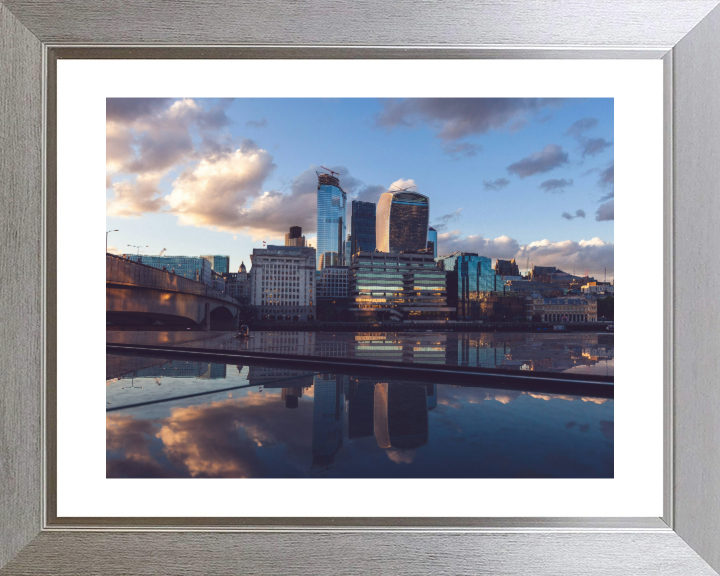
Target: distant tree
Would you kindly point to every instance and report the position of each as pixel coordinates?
(606, 308)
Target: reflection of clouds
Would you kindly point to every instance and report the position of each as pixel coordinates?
(607, 429)
(547, 397)
(400, 457)
(595, 400)
(132, 437)
(218, 439)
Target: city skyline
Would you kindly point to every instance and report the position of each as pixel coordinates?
(506, 178)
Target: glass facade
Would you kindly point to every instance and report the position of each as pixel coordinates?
(331, 225)
(362, 219)
(328, 415)
(191, 267)
(432, 241)
(387, 286)
(221, 264)
(469, 280)
(402, 222)
(348, 251)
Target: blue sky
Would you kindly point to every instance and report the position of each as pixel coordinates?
(523, 178)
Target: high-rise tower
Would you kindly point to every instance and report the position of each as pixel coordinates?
(362, 220)
(331, 225)
(295, 237)
(432, 241)
(402, 222)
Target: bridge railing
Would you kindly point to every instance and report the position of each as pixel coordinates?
(123, 271)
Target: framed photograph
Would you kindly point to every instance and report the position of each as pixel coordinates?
(359, 291)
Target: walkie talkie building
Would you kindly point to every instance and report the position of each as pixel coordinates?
(331, 225)
(402, 222)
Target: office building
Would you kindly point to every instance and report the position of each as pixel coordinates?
(331, 225)
(295, 237)
(237, 284)
(404, 287)
(470, 278)
(602, 288)
(220, 264)
(218, 281)
(195, 268)
(506, 268)
(432, 241)
(401, 224)
(539, 309)
(362, 220)
(332, 282)
(282, 283)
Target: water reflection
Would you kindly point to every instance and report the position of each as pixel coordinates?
(588, 353)
(217, 420)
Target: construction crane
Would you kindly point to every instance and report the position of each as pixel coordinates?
(331, 171)
(162, 251)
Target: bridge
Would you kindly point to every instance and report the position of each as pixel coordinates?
(138, 294)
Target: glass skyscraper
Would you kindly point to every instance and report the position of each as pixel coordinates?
(221, 264)
(469, 278)
(432, 241)
(362, 220)
(331, 225)
(402, 222)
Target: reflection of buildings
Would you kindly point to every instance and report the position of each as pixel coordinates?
(328, 405)
(176, 369)
(291, 396)
(544, 352)
(361, 402)
(401, 415)
(273, 377)
(431, 391)
(428, 348)
(299, 343)
(216, 372)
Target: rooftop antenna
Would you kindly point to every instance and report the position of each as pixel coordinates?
(331, 172)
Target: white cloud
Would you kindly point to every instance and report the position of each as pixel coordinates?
(592, 255)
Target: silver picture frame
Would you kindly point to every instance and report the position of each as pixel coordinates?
(685, 34)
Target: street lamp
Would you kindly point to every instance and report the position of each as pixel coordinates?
(106, 238)
(138, 248)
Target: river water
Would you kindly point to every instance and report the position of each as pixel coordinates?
(179, 418)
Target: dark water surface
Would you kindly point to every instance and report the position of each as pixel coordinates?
(193, 419)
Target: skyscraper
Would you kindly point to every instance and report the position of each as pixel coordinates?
(331, 225)
(432, 241)
(402, 222)
(295, 237)
(362, 220)
(348, 250)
